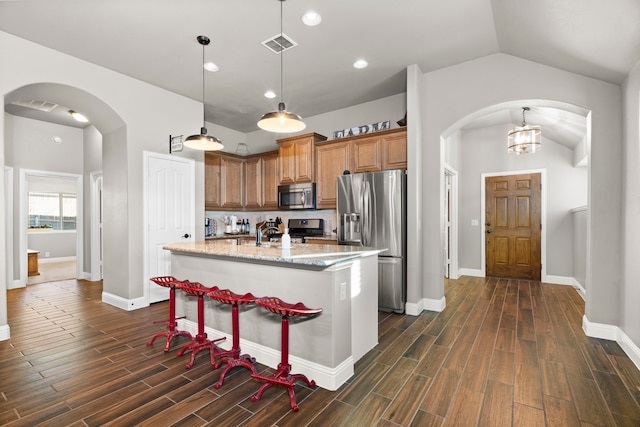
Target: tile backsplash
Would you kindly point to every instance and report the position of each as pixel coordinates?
(328, 215)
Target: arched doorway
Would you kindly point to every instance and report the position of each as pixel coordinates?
(476, 145)
(104, 121)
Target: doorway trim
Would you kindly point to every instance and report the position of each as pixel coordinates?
(543, 218)
(22, 221)
(453, 220)
(96, 226)
(9, 234)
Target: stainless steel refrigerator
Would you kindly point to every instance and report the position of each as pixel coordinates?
(372, 212)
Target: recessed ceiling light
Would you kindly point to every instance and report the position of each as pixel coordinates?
(270, 94)
(311, 18)
(210, 66)
(360, 63)
(56, 140)
(79, 117)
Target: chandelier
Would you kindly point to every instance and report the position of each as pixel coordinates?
(525, 138)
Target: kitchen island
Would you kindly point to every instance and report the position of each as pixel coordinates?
(342, 280)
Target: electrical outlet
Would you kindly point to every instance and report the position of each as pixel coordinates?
(343, 291)
(47, 254)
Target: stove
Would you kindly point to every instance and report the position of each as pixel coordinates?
(306, 227)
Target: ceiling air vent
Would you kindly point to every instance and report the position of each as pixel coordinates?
(279, 43)
(45, 106)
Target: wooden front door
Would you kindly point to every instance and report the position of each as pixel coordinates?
(513, 226)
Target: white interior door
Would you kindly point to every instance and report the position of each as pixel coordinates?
(170, 193)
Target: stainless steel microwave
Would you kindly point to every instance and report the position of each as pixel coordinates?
(297, 196)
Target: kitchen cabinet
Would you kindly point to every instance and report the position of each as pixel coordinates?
(373, 152)
(367, 155)
(231, 182)
(237, 183)
(270, 180)
(211, 182)
(253, 184)
(332, 160)
(394, 150)
(296, 156)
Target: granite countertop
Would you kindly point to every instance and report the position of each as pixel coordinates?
(318, 256)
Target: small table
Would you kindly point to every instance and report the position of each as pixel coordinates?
(32, 257)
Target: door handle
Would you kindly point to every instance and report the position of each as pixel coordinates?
(186, 235)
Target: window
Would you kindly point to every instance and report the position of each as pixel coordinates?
(55, 211)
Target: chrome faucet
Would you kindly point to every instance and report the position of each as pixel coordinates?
(259, 233)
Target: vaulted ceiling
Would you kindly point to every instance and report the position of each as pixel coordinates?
(155, 41)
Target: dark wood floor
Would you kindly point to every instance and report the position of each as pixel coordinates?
(503, 352)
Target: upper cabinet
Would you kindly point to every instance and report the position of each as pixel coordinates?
(270, 180)
(236, 183)
(394, 150)
(363, 153)
(332, 160)
(211, 182)
(239, 183)
(296, 157)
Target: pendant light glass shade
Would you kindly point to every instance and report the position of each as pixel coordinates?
(203, 141)
(281, 121)
(524, 139)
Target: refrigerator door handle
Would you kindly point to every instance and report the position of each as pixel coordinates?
(366, 207)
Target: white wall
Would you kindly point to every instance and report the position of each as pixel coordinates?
(452, 94)
(630, 290)
(484, 151)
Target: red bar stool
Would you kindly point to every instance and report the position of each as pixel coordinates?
(283, 375)
(172, 331)
(232, 357)
(200, 341)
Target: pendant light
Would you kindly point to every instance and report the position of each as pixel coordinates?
(281, 121)
(203, 141)
(524, 139)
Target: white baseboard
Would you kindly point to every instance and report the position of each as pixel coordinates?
(414, 309)
(59, 259)
(16, 284)
(5, 332)
(558, 280)
(122, 303)
(612, 333)
(568, 281)
(469, 272)
(324, 376)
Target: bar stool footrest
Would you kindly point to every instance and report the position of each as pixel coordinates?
(170, 335)
(198, 345)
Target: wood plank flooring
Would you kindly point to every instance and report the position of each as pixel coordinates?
(502, 353)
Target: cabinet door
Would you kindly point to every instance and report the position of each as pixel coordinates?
(367, 155)
(231, 175)
(287, 157)
(304, 160)
(394, 151)
(333, 160)
(253, 179)
(211, 181)
(270, 180)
